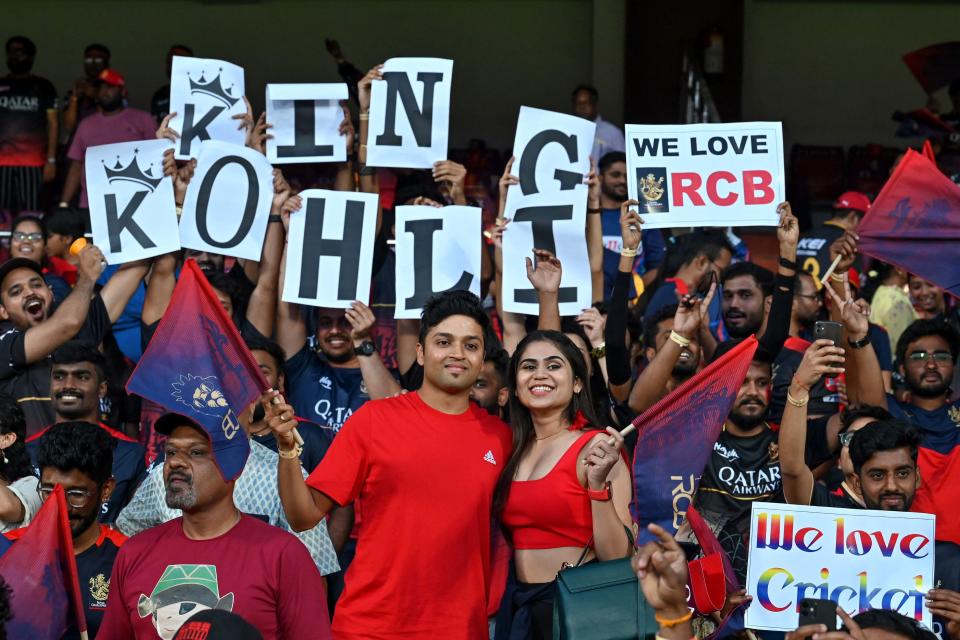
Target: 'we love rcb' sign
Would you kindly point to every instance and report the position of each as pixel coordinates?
(706, 175)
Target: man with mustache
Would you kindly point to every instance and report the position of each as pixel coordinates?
(115, 122)
(744, 466)
(28, 130)
(79, 455)
(26, 302)
(214, 555)
(77, 385)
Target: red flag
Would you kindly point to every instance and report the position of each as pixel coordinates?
(42, 574)
(928, 151)
(915, 223)
(198, 365)
(677, 436)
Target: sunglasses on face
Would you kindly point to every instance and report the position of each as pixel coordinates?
(937, 356)
(34, 236)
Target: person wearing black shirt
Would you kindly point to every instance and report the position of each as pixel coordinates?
(79, 456)
(28, 129)
(26, 302)
(744, 466)
(813, 251)
(160, 102)
(77, 384)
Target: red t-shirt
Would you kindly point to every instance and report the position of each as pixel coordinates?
(426, 480)
(161, 577)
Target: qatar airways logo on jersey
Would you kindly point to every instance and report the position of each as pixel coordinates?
(20, 103)
(331, 417)
(750, 482)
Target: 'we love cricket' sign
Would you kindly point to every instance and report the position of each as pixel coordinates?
(860, 559)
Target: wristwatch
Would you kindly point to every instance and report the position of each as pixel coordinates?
(600, 495)
(366, 348)
(859, 344)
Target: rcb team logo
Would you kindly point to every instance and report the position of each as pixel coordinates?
(652, 186)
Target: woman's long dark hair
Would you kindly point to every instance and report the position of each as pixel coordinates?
(521, 423)
(18, 460)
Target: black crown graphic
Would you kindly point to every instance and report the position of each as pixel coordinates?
(132, 173)
(213, 88)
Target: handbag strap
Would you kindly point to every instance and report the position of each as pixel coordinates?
(586, 549)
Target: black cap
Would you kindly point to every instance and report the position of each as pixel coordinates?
(166, 423)
(217, 624)
(18, 263)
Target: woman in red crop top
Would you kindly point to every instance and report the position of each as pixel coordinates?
(564, 486)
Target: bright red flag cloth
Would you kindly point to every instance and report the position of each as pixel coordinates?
(197, 365)
(927, 151)
(42, 575)
(915, 223)
(677, 436)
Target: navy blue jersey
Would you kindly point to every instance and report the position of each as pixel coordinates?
(940, 428)
(323, 393)
(129, 469)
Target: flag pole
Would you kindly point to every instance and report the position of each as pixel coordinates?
(296, 434)
(831, 269)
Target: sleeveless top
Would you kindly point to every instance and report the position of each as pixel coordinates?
(552, 511)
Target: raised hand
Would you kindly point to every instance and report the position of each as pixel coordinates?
(363, 87)
(281, 419)
(451, 176)
(545, 277)
(165, 131)
(506, 180)
(788, 231)
(687, 319)
(361, 320)
(854, 313)
(661, 567)
(601, 458)
(846, 247)
(257, 135)
(630, 222)
(281, 191)
(593, 186)
(346, 128)
(593, 324)
(291, 205)
(821, 358)
(92, 263)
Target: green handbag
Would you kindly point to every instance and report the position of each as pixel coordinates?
(601, 601)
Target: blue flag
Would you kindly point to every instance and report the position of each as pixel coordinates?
(197, 365)
(676, 437)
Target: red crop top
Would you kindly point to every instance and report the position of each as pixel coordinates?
(553, 511)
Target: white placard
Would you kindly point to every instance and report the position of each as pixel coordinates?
(306, 121)
(330, 249)
(860, 559)
(706, 175)
(228, 202)
(205, 94)
(410, 113)
(558, 218)
(133, 214)
(551, 153)
(438, 249)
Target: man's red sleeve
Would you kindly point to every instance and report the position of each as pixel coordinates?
(341, 473)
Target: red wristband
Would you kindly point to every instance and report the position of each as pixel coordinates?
(600, 495)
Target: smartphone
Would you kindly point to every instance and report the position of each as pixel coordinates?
(825, 330)
(817, 611)
(703, 288)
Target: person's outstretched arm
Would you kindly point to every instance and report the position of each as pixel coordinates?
(778, 320)
(820, 358)
(615, 333)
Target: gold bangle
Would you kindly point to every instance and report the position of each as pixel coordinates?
(290, 453)
(364, 115)
(669, 623)
(836, 277)
(629, 253)
(797, 403)
(679, 339)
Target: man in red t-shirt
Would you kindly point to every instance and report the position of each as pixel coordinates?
(424, 465)
(214, 557)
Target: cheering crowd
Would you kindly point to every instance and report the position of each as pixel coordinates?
(430, 478)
